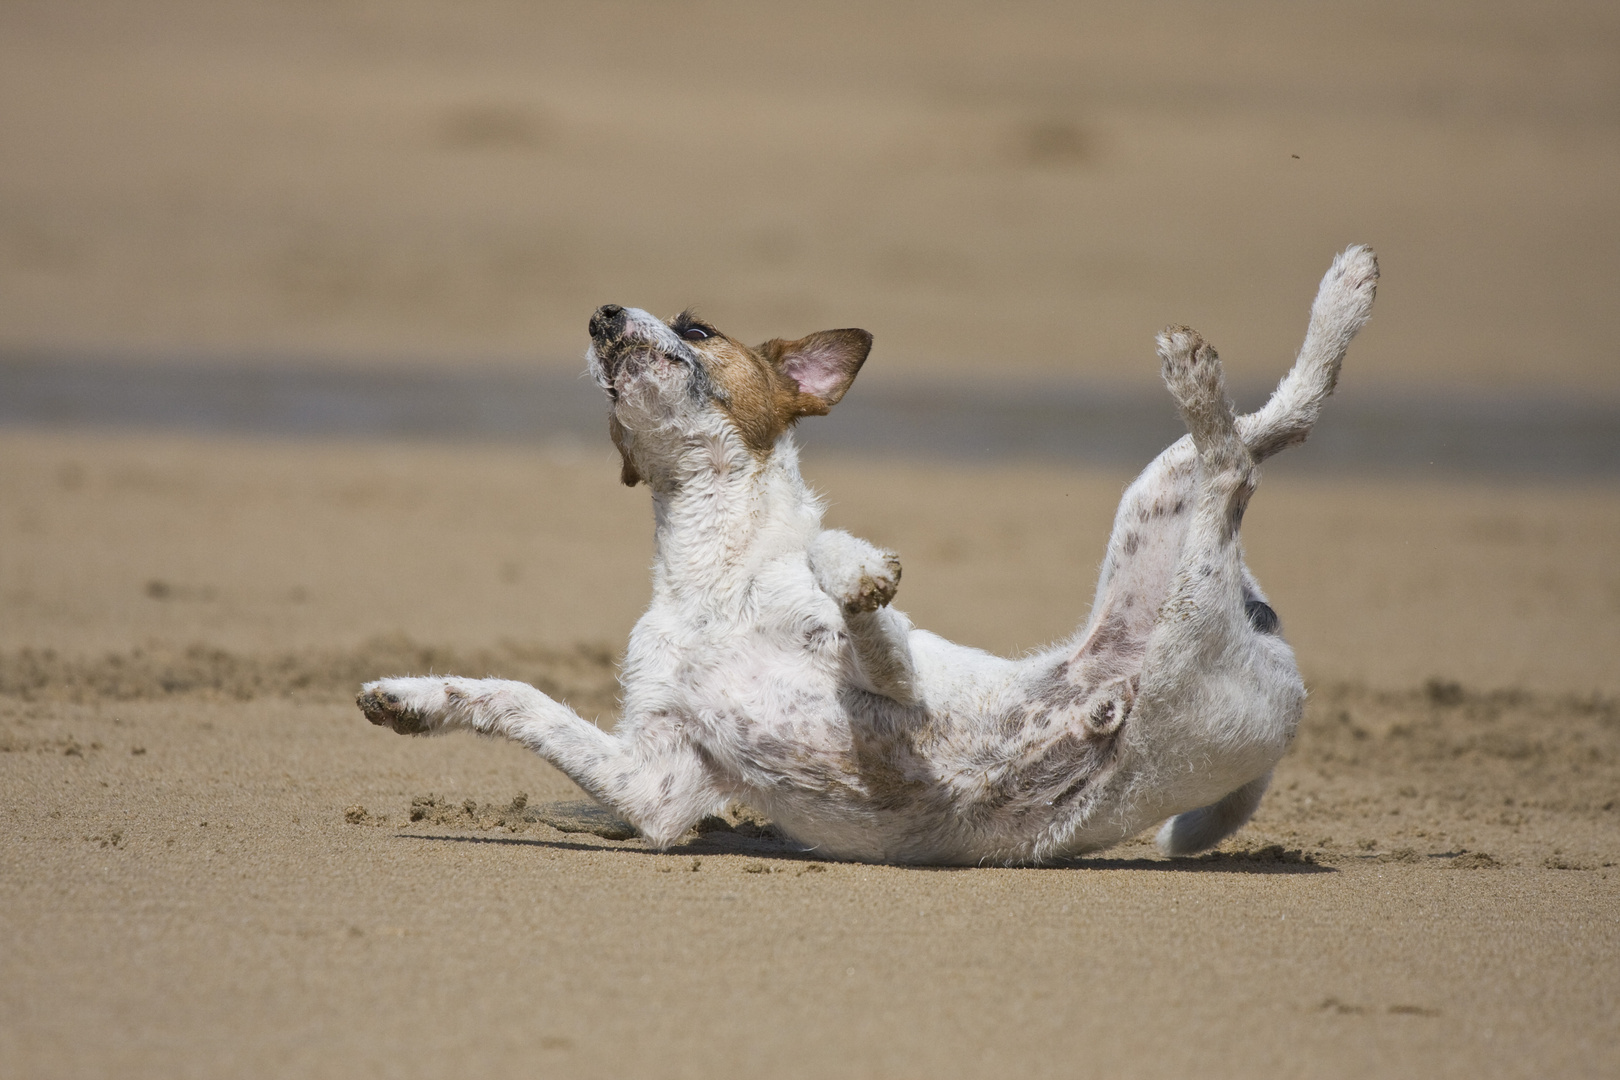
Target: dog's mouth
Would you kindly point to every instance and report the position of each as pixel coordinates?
(630, 350)
(634, 364)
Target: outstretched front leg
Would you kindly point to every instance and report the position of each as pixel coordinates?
(863, 579)
(655, 779)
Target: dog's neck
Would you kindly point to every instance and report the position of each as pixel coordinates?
(725, 515)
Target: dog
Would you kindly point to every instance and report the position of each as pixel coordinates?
(772, 669)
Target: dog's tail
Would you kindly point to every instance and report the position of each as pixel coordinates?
(1343, 305)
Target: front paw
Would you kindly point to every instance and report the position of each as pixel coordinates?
(858, 575)
(875, 586)
(389, 704)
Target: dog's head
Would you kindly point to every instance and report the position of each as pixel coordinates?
(673, 385)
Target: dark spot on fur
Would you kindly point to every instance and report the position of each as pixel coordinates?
(1046, 777)
(1261, 617)
(889, 768)
(1112, 635)
(1067, 795)
(700, 387)
(1057, 691)
(1132, 542)
(1159, 509)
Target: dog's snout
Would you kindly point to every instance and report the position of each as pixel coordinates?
(609, 318)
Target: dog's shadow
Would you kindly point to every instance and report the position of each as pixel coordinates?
(717, 836)
(1267, 860)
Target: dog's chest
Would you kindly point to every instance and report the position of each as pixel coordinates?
(772, 654)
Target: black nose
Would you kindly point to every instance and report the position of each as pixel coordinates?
(607, 320)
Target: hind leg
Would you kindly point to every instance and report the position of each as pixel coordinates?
(1222, 693)
(1342, 307)
(1206, 593)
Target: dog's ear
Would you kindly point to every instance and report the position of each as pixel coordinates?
(822, 365)
(621, 439)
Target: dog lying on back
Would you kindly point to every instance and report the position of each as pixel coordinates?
(772, 670)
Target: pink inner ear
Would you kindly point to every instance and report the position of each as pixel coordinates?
(819, 367)
(817, 371)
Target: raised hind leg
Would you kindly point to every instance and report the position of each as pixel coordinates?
(1342, 307)
(1146, 550)
(1220, 695)
(1156, 508)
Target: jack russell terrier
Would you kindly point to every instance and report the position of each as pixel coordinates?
(771, 668)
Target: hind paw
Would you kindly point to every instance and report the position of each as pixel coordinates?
(1192, 371)
(1355, 269)
(1345, 298)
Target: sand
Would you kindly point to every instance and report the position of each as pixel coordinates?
(214, 865)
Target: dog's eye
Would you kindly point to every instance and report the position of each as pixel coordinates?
(693, 333)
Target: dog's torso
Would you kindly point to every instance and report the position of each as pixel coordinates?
(743, 656)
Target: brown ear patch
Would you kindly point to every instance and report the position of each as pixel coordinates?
(621, 439)
(761, 402)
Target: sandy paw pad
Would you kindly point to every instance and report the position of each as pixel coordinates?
(875, 588)
(387, 710)
(1192, 371)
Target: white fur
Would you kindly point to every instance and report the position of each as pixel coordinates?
(769, 668)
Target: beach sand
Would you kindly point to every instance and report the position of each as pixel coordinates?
(214, 865)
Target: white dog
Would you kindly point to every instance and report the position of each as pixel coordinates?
(770, 668)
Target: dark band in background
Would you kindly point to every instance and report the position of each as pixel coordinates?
(954, 419)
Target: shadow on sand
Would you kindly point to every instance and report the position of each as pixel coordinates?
(1267, 860)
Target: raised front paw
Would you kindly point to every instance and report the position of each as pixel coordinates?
(858, 575)
(875, 587)
(406, 705)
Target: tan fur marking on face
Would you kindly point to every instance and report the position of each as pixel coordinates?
(759, 388)
(760, 400)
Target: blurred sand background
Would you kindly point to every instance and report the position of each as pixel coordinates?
(1029, 186)
(211, 865)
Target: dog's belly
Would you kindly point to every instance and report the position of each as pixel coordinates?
(987, 764)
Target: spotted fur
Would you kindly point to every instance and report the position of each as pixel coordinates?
(771, 668)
